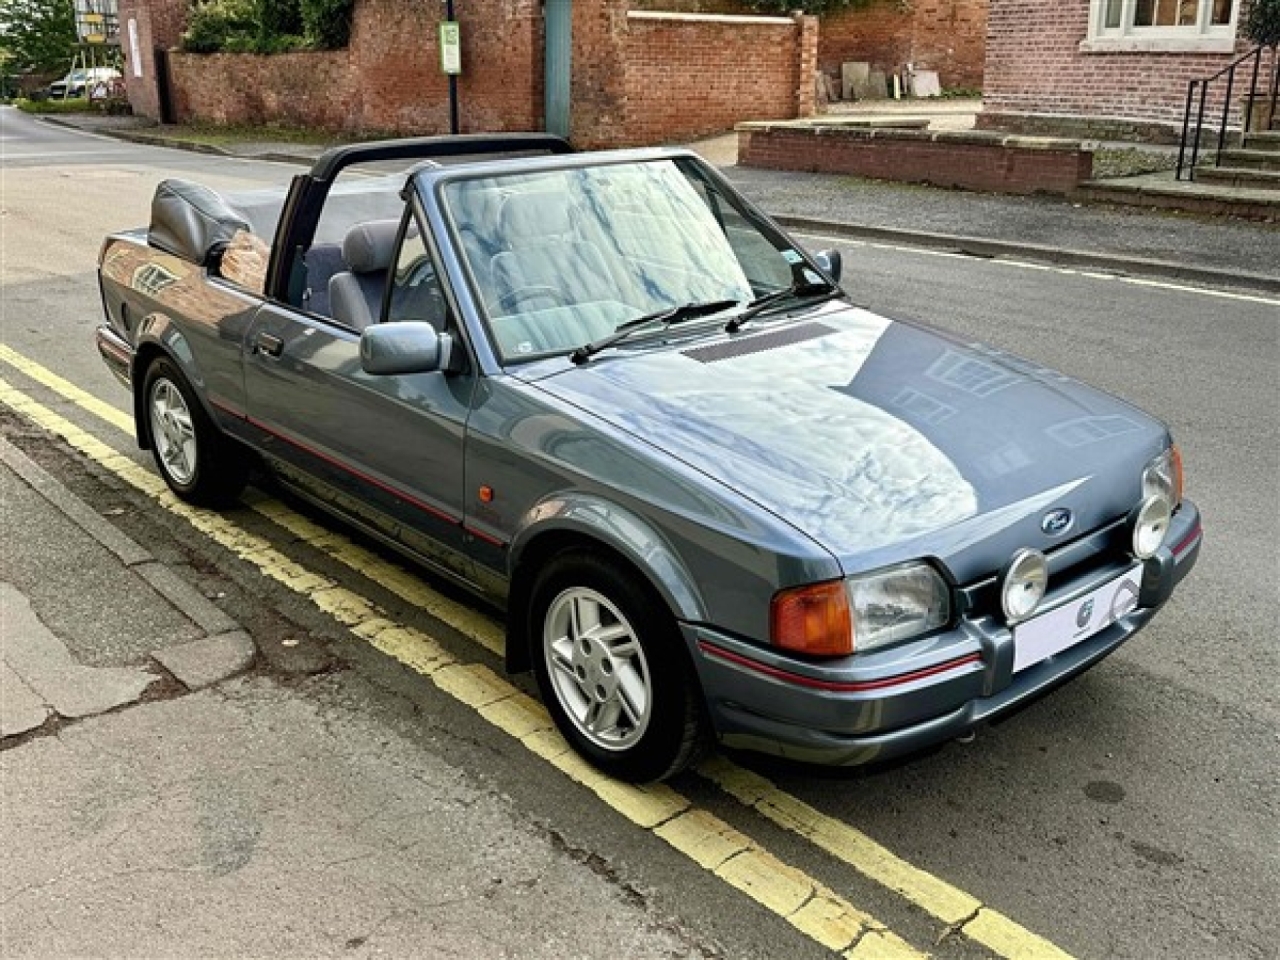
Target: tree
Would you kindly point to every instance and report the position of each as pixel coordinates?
(815, 7)
(39, 35)
(1262, 26)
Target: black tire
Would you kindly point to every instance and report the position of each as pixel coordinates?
(198, 462)
(592, 679)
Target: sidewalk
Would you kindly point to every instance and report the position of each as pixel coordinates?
(159, 801)
(91, 621)
(1096, 236)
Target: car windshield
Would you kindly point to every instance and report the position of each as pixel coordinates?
(562, 258)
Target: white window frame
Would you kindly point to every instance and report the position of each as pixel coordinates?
(1200, 37)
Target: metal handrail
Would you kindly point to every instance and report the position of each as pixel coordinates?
(1229, 71)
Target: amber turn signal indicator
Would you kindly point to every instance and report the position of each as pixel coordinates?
(1175, 456)
(813, 619)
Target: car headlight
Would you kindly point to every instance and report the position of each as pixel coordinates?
(1162, 477)
(1023, 583)
(861, 613)
(1150, 526)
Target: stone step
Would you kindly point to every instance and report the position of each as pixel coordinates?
(1263, 140)
(1252, 159)
(1239, 177)
(1192, 196)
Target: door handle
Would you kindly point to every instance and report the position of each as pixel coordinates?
(268, 344)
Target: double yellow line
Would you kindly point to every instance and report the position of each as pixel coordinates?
(713, 844)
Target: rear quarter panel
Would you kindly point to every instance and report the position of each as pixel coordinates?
(157, 301)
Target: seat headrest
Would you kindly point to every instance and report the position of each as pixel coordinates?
(368, 247)
(529, 217)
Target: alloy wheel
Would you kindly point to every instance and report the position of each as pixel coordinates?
(172, 432)
(597, 668)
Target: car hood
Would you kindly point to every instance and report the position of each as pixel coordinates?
(880, 440)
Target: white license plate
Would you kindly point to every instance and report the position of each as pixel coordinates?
(1067, 625)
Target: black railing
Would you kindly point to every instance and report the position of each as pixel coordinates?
(1192, 134)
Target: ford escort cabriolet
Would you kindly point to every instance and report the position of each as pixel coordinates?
(607, 394)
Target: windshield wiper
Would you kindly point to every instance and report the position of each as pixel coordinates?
(802, 290)
(667, 318)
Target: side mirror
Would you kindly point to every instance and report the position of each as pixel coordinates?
(405, 347)
(831, 262)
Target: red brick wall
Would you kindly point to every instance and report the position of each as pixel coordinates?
(1034, 65)
(598, 82)
(160, 24)
(690, 77)
(387, 81)
(972, 161)
(634, 80)
(948, 36)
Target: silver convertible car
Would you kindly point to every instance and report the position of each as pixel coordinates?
(606, 393)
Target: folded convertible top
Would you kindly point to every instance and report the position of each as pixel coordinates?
(192, 221)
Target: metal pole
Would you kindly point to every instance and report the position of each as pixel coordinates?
(1186, 127)
(1195, 144)
(453, 79)
(1226, 110)
(1253, 92)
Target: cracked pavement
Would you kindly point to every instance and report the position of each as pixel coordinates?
(158, 800)
(254, 819)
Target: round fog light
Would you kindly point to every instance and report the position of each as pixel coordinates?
(1023, 585)
(1150, 525)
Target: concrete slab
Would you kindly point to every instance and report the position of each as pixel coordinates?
(267, 821)
(81, 590)
(203, 663)
(131, 592)
(44, 663)
(21, 711)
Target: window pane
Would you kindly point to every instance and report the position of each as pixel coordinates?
(1111, 20)
(1222, 10)
(415, 289)
(1144, 13)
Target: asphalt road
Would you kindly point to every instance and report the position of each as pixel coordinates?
(1131, 814)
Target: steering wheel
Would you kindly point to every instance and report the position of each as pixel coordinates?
(519, 295)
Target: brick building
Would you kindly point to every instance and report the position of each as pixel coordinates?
(636, 76)
(948, 36)
(1104, 67)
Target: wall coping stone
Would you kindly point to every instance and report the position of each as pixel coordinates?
(727, 18)
(992, 138)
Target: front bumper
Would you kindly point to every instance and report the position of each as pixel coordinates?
(873, 708)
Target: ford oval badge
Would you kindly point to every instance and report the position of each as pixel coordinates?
(1057, 522)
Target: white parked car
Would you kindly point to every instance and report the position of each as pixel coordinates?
(78, 83)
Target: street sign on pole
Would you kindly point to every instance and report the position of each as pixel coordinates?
(451, 59)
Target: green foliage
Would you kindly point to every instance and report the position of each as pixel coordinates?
(266, 26)
(327, 23)
(216, 25)
(38, 35)
(814, 7)
(1263, 23)
(70, 105)
(279, 18)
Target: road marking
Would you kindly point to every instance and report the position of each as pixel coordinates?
(959, 911)
(1028, 265)
(74, 158)
(743, 864)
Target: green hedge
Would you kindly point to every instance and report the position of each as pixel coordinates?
(70, 105)
(267, 26)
